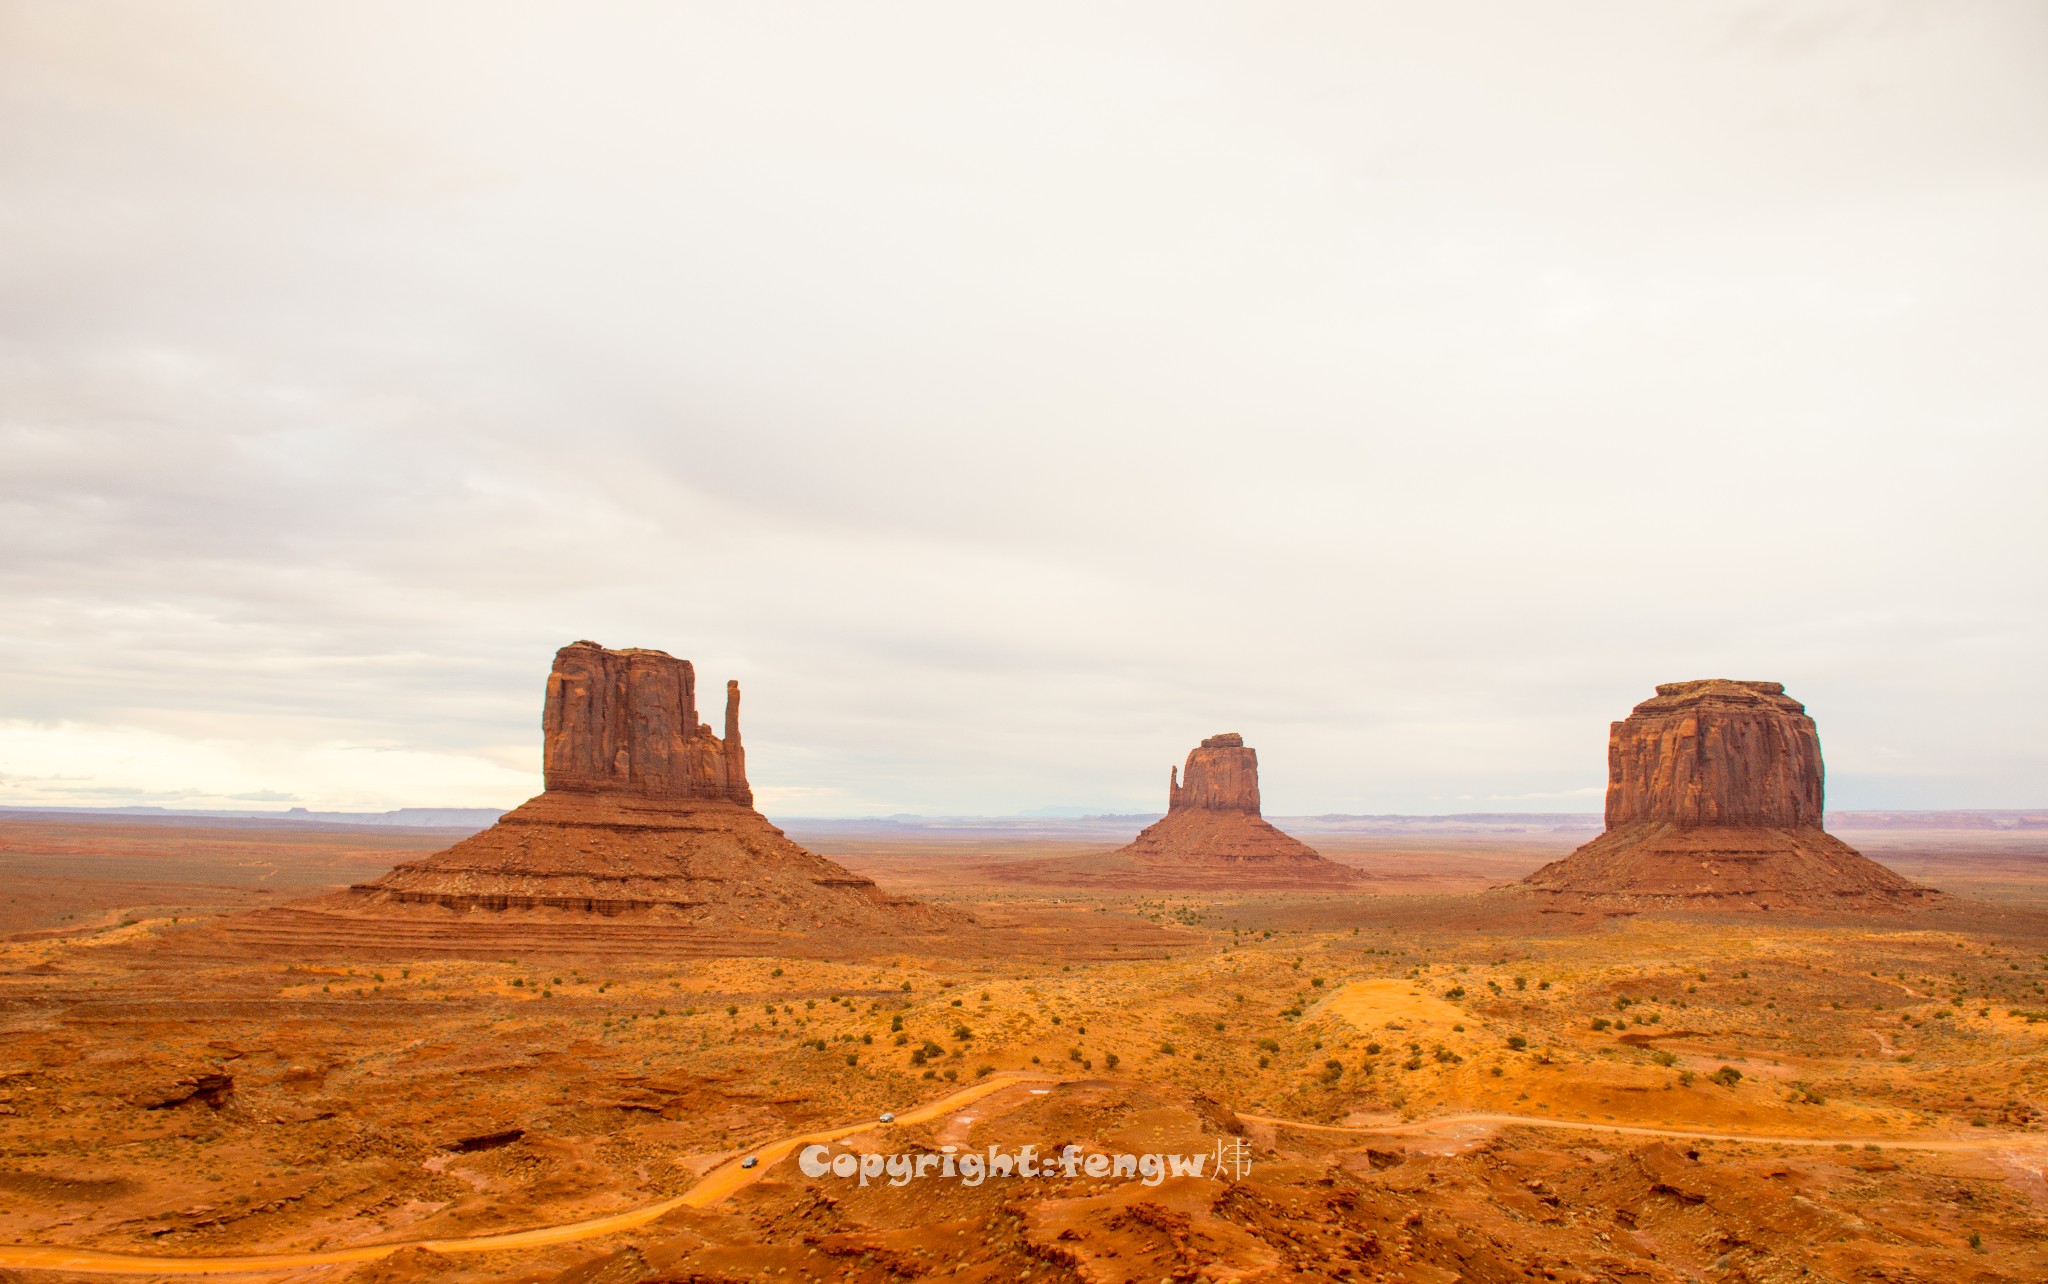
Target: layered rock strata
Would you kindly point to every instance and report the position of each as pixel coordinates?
(646, 819)
(1212, 836)
(1714, 798)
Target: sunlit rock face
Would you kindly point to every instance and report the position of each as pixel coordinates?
(1715, 752)
(626, 722)
(1714, 799)
(644, 838)
(1222, 775)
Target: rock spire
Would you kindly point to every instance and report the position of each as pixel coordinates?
(1212, 837)
(645, 838)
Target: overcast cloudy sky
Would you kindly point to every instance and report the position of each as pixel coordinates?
(1010, 396)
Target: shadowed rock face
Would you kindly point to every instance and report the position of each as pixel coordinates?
(1222, 775)
(626, 722)
(1716, 752)
(1714, 795)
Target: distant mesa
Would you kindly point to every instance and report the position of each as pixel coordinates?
(646, 822)
(1714, 792)
(1212, 837)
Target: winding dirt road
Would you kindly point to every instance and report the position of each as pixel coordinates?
(1996, 1141)
(718, 1184)
(729, 1178)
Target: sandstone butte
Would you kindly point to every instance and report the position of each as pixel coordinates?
(1714, 797)
(1212, 837)
(645, 835)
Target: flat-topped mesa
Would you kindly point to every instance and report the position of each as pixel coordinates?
(626, 722)
(1714, 794)
(1715, 752)
(1222, 775)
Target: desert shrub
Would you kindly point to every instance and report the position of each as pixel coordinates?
(1269, 1045)
(1166, 1047)
(1517, 1042)
(982, 1072)
(1332, 1071)
(776, 972)
(1521, 982)
(1371, 1049)
(1727, 1076)
(1601, 1023)
(1316, 981)
(962, 1032)
(1664, 1057)
(896, 1022)
(1109, 1060)
(1455, 993)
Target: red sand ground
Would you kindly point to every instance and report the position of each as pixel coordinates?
(1463, 1089)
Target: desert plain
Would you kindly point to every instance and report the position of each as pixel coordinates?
(1431, 1079)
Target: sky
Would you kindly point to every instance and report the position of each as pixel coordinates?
(1009, 396)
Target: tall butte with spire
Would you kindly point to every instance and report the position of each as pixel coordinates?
(1714, 796)
(1213, 829)
(1212, 836)
(646, 821)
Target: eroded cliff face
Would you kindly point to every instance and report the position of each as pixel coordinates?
(626, 722)
(1212, 836)
(1715, 752)
(1222, 775)
(1714, 794)
(647, 822)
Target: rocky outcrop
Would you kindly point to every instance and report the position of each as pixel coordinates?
(1212, 837)
(646, 821)
(1715, 752)
(626, 722)
(1222, 775)
(1714, 798)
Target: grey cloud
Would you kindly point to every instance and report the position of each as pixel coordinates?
(1008, 403)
